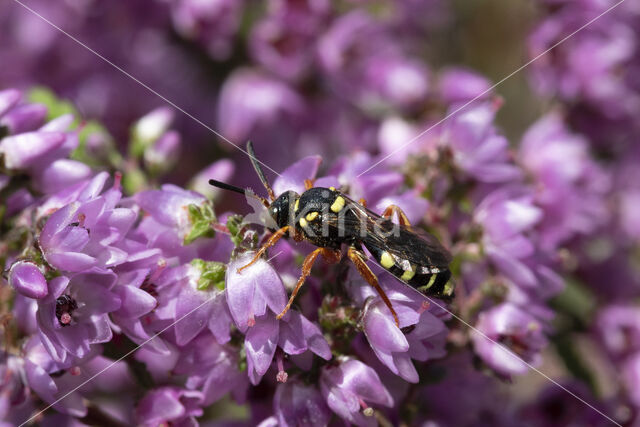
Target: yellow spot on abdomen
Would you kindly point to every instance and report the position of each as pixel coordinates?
(386, 260)
(408, 274)
(303, 222)
(311, 216)
(432, 280)
(338, 204)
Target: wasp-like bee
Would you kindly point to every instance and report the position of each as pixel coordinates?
(329, 219)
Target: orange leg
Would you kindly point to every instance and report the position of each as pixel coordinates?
(391, 209)
(363, 202)
(371, 278)
(272, 241)
(308, 184)
(330, 255)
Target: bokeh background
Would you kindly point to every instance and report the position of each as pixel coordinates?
(335, 78)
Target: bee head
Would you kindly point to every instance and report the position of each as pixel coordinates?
(281, 210)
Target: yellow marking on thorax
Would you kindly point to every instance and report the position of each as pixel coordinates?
(332, 188)
(338, 204)
(311, 216)
(408, 274)
(303, 222)
(386, 260)
(297, 205)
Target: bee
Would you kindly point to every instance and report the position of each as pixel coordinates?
(330, 220)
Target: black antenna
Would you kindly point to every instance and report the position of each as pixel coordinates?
(256, 166)
(235, 189)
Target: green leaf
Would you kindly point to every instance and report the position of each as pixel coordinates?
(234, 225)
(56, 107)
(201, 217)
(212, 274)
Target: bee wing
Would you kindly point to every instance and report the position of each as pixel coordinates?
(379, 234)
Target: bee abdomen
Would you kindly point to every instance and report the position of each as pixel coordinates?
(429, 280)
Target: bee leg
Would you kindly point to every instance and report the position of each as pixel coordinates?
(363, 202)
(356, 257)
(272, 241)
(308, 183)
(391, 209)
(330, 255)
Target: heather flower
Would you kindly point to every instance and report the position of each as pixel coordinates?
(14, 393)
(251, 100)
(478, 150)
(298, 404)
(350, 387)
(630, 374)
(30, 150)
(169, 405)
(364, 65)
(170, 207)
(280, 42)
(515, 337)
(51, 380)
(211, 24)
(74, 315)
(221, 170)
(293, 177)
(593, 71)
(251, 291)
(570, 187)
(395, 347)
(200, 301)
(163, 155)
(8, 99)
(619, 329)
(212, 368)
(459, 85)
(24, 118)
(506, 215)
(27, 279)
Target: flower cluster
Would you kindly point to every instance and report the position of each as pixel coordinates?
(123, 299)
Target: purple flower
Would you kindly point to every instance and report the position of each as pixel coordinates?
(458, 86)
(350, 387)
(477, 148)
(8, 99)
(27, 279)
(222, 170)
(292, 178)
(394, 347)
(619, 329)
(506, 215)
(170, 207)
(630, 375)
(364, 65)
(30, 150)
(74, 315)
(211, 24)
(280, 42)
(570, 186)
(250, 100)
(515, 339)
(53, 381)
(212, 368)
(298, 404)
(169, 405)
(24, 118)
(251, 291)
(163, 155)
